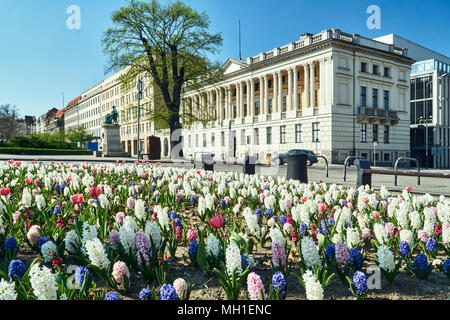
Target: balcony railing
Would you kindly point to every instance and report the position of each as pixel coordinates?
(373, 114)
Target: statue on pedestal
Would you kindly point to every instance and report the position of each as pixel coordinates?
(111, 118)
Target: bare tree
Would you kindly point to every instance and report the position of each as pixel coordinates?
(9, 126)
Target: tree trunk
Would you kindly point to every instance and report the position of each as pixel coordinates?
(174, 124)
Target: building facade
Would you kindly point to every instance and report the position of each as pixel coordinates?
(429, 103)
(333, 93)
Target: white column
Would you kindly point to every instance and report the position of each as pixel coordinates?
(289, 91)
(312, 85)
(261, 95)
(295, 91)
(306, 84)
(252, 97)
(322, 82)
(275, 92)
(280, 91)
(266, 95)
(247, 84)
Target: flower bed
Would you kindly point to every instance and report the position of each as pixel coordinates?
(144, 231)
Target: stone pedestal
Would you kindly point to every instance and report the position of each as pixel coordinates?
(112, 147)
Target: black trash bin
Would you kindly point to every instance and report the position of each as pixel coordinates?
(297, 167)
(207, 162)
(248, 167)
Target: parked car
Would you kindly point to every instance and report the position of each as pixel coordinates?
(282, 157)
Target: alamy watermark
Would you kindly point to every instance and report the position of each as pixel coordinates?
(73, 22)
(374, 20)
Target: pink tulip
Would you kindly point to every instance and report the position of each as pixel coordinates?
(216, 222)
(77, 198)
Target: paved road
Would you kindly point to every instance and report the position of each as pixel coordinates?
(433, 186)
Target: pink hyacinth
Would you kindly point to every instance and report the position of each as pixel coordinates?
(192, 234)
(389, 227)
(296, 200)
(322, 207)
(34, 234)
(422, 235)
(16, 216)
(130, 203)
(278, 254)
(255, 286)
(120, 270)
(180, 286)
(366, 233)
(119, 217)
(342, 254)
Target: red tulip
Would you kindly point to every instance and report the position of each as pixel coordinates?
(216, 222)
(28, 181)
(5, 191)
(95, 192)
(77, 198)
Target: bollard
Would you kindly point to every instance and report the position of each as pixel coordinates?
(297, 167)
(207, 162)
(362, 178)
(248, 167)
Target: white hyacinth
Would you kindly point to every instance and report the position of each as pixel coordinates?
(97, 254)
(380, 233)
(130, 223)
(127, 239)
(71, 241)
(7, 290)
(139, 209)
(233, 259)
(310, 253)
(43, 283)
(352, 237)
(26, 198)
(252, 221)
(212, 245)
(40, 201)
(408, 236)
(153, 232)
(386, 258)
(89, 233)
(313, 288)
(104, 202)
(47, 249)
(277, 235)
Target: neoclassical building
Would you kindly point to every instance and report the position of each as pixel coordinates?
(333, 93)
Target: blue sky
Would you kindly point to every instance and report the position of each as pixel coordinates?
(40, 58)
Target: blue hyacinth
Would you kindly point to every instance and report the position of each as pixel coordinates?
(10, 244)
(41, 241)
(283, 219)
(16, 268)
(355, 258)
(360, 282)
(258, 213)
(178, 222)
(278, 281)
(431, 245)
(404, 248)
(420, 262)
(324, 228)
(303, 228)
(192, 199)
(80, 274)
(168, 292)
(268, 212)
(244, 262)
(446, 266)
(330, 251)
(173, 215)
(112, 296)
(57, 209)
(223, 203)
(330, 221)
(193, 249)
(145, 294)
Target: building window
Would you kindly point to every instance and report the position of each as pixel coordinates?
(282, 134)
(316, 99)
(213, 139)
(245, 109)
(257, 87)
(386, 99)
(223, 138)
(234, 111)
(257, 108)
(386, 72)
(204, 140)
(270, 106)
(363, 96)
(196, 140)
(375, 69)
(256, 136)
(375, 98)
(298, 133)
(283, 80)
(387, 157)
(363, 132)
(283, 104)
(363, 67)
(269, 135)
(386, 134)
(299, 102)
(315, 132)
(375, 133)
(243, 137)
(269, 83)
